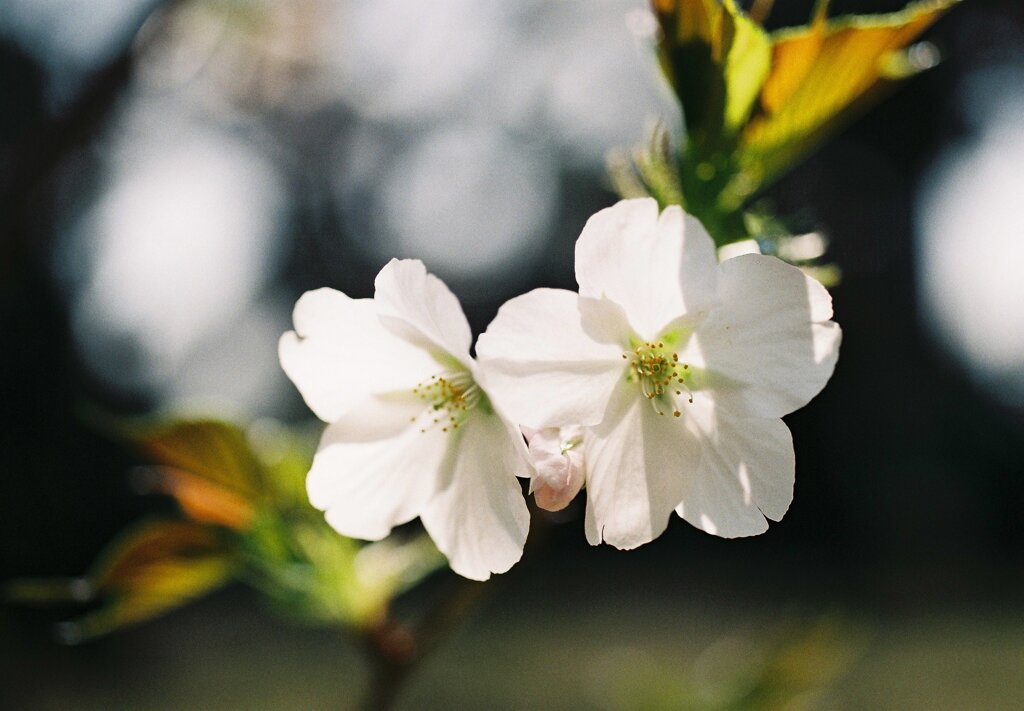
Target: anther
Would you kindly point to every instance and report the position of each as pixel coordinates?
(447, 398)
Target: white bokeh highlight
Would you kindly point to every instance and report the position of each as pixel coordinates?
(971, 239)
(430, 217)
(173, 252)
(475, 108)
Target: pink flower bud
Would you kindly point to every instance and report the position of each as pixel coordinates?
(557, 455)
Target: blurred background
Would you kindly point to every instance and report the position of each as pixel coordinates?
(174, 174)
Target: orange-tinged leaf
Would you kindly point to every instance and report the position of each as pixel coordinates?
(794, 53)
(212, 450)
(163, 586)
(204, 501)
(153, 568)
(819, 73)
(149, 545)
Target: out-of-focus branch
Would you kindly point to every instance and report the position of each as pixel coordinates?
(43, 147)
(395, 650)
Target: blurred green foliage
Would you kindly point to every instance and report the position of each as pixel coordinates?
(244, 516)
(792, 673)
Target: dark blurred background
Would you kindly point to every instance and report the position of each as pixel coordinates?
(174, 174)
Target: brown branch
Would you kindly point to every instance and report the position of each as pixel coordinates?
(42, 150)
(395, 650)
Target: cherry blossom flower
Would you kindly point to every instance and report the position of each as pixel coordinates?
(677, 367)
(411, 431)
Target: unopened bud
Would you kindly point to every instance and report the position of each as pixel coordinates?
(557, 455)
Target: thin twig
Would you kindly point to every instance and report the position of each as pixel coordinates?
(394, 650)
(51, 140)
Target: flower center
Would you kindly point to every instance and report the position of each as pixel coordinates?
(662, 378)
(449, 398)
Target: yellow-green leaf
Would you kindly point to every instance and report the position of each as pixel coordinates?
(822, 72)
(149, 544)
(746, 67)
(153, 568)
(717, 59)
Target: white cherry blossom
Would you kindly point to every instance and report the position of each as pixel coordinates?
(411, 431)
(677, 367)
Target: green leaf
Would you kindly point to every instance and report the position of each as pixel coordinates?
(313, 573)
(651, 170)
(286, 454)
(746, 67)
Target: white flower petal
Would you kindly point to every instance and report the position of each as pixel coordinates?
(541, 368)
(590, 527)
(637, 462)
(746, 470)
(479, 517)
(420, 307)
(656, 267)
(604, 321)
(374, 469)
(770, 462)
(340, 353)
(768, 345)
